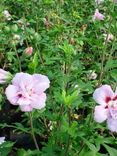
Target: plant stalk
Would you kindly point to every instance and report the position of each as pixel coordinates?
(68, 141)
(32, 131)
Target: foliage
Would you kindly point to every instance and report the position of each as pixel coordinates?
(67, 44)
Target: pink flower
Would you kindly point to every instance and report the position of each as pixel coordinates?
(7, 15)
(4, 76)
(107, 109)
(2, 140)
(91, 75)
(27, 91)
(28, 51)
(108, 37)
(97, 15)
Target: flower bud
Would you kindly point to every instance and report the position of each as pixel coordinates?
(92, 75)
(4, 76)
(28, 51)
(7, 15)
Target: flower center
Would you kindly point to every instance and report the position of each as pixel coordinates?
(108, 99)
(112, 103)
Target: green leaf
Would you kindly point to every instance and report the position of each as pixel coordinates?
(33, 65)
(69, 99)
(22, 152)
(91, 146)
(111, 64)
(5, 148)
(111, 151)
(113, 74)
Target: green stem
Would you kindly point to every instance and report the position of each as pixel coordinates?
(82, 146)
(68, 141)
(39, 54)
(104, 52)
(19, 62)
(32, 132)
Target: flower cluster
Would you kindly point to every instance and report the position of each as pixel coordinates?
(107, 109)
(108, 37)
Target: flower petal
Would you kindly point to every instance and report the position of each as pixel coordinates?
(3, 72)
(26, 108)
(17, 78)
(39, 101)
(100, 114)
(41, 83)
(22, 80)
(2, 81)
(101, 94)
(4, 76)
(23, 101)
(112, 124)
(12, 94)
(113, 112)
(2, 140)
(98, 16)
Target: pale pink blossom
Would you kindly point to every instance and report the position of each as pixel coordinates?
(99, 1)
(27, 91)
(107, 109)
(98, 16)
(2, 140)
(16, 37)
(7, 15)
(4, 76)
(91, 75)
(29, 51)
(108, 37)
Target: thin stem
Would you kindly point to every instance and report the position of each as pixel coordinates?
(39, 54)
(19, 62)
(103, 59)
(83, 143)
(59, 125)
(32, 131)
(82, 146)
(68, 141)
(104, 52)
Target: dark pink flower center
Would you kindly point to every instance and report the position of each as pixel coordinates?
(107, 99)
(19, 95)
(106, 107)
